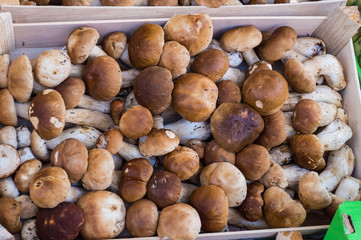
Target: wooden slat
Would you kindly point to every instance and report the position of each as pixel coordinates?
(5, 235)
(7, 42)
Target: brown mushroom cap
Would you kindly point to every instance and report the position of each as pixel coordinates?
(235, 125)
(142, 218)
(72, 90)
(183, 161)
(72, 156)
(211, 203)
(146, 46)
(195, 32)
(211, 3)
(275, 176)
(10, 214)
(307, 150)
(215, 153)
(8, 115)
(274, 132)
(80, 43)
(179, 221)
(307, 116)
(195, 97)
(116, 109)
(135, 176)
(281, 40)
(253, 161)
(164, 188)
(49, 187)
(158, 142)
(175, 58)
(20, 79)
(212, 63)
(300, 80)
(163, 3)
(280, 210)
(63, 222)
(118, 2)
(266, 91)
(103, 78)
(136, 122)
(77, 2)
(47, 114)
(251, 208)
(114, 44)
(228, 91)
(153, 89)
(241, 39)
(198, 146)
(25, 173)
(110, 140)
(258, 66)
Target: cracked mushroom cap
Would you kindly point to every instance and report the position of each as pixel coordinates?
(175, 58)
(195, 32)
(266, 91)
(20, 79)
(146, 46)
(235, 125)
(280, 210)
(241, 39)
(103, 78)
(77, 2)
(8, 115)
(10, 214)
(153, 89)
(136, 122)
(118, 2)
(307, 116)
(80, 43)
(52, 68)
(47, 114)
(114, 44)
(228, 91)
(104, 214)
(9, 160)
(195, 97)
(72, 90)
(158, 142)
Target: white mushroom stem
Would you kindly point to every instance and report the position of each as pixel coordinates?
(250, 56)
(186, 130)
(128, 77)
(90, 118)
(75, 193)
(235, 75)
(25, 154)
(129, 151)
(289, 125)
(281, 154)
(28, 231)
(130, 101)
(236, 219)
(88, 102)
(38, 147)
(97, 52)
(158, 122)
(235, 58)
(22, 110)
(23, 137)
(8, 188)
(28, 208)
(335, 135)
(125, 57)
(293, 174)
(342, 115)
(77, 71)
(118, 162)
(8, 136)
(37, 87)
(329, 112)
(275, 176)
(340, 164)
(87, 135)
(292, 54)
(114, 186)
(186, 192)
(349, 189)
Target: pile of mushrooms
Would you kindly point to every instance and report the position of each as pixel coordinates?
(160, 133)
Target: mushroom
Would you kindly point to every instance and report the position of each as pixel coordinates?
(216, 3)
(158, 142)
(141, 211)
(228, 91)
(175, 58)
(75, 193)
(4, 69)
(90, 118)
(38, 146)
(119, 2)
(116, 110)
(42, 2)
(77, 2)
(130, 101)
(281, 154)
(28, 208)
(235, 75)
(179, 221)
(110, 140)
(28, 231)
(163, 3)
(25, 173)
(72, 90)
(213, 152)
(197, 146)
(8, 136)
(251, 208)
(349, 189)
(10, 214)
(25, 154)
(293, 175)
(114, 44)
(8, 188)
(274, 177)
(236, 219)
(23, 137)
(136, 122)
(300, 79)
(335, 135)
(289, 235)
(307, 116)
(234, 58)
(258, 66)
(9, 159)
(186, 192)
(200, 26)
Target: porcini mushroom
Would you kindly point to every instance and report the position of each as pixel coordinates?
(9, 159)
(251, 208)
(213, 152)
(307, 116)
(8, 136)
(114, 44)
(25, 173)
(275, 176)
(158, 142)
(10, 214)
(228, 91)
(175, 58)
(136, 122)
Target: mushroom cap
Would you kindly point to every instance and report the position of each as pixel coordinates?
(10, 214)
(77, 2)
(118, 2)
(195, 32)
(72, 156)
(47, 114)
(280, 210)
(8, 115)
(49, 187)
(116, 109)
(258, 66)
(100, 170)
(241, 39)
(179, 221)
(175, 58)
(164, 188)
(9, 160)
(195, 97)
(136, 122)
(20, 79)
(211, 203)
(298, 77)
(212, 63)
(307, 150)
(274, 132)
(80, 43)
(163, 3)
(275, 176)
(104, 214)
(211, 3)
(312, 192)
(142, 218)
(110, 140)
(72, 90)
(253, 161)
(228, 177)
(281, 40)
(235, 125)
(103, 78)
(114, 44)
(183, 161)
(266, 91)
(228, 91)
(146, 46)
(251, 208)
(158, 142)
(153, 89)
(213, 152)
(135, 176)
(307, 116)
(198, 146)
(25, 173)
(61, 222)
(52, 67)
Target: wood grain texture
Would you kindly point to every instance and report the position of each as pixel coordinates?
(7, 41)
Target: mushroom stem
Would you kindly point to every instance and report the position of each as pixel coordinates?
(158, 122)
(37, 87)
(97, 52)
(90, 118)
(38, 146)
(125, 57)
(186, 192)
(329, 112)
(289, 125)
(128, 77)
(130, 101)
(114, 186)
(292, 54)
(8, 188)
(281, 154)
(90, 103)
(293, 174)
(25, 154)
(335, 135)
(22, 110)
(8, 136)
(235, 75)
(77, 70)
(236, 219)
(250, 56)
(342, 115)
(235, 58)
(349, 189)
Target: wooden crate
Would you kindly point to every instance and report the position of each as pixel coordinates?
(32, 38)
